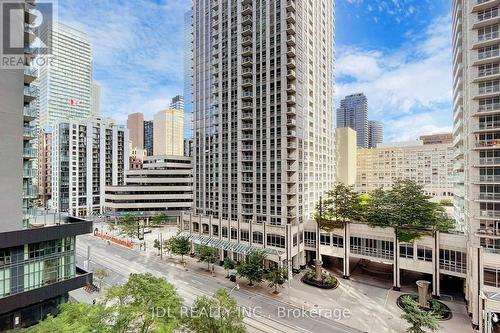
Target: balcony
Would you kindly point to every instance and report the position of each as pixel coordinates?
(291, 100)
(247, 116)
(30, 94)
(290, 6)
(246, 41)
(292, 133)
(290, 28)
(290, 17)
(487, 161)
(290, 63)
(483, 126)
(484, 4)
(29, 133)
(290, 51)
(291, 123)
(291, 168)
(246, 51)
(290, 74)
(247, 62)
(479, 214)
(486, 39)
(29, 153)
(247, 147)
(247, 30)
(247, 106)
(290, 40)
(291, 110)
(246, 10)
(247, 19)
(247, 95)
(30, 75)
(247, 126)
(29, 113)
(29, 173)
(246, 72)
(290, 88)
(246, 83)
(30, 192)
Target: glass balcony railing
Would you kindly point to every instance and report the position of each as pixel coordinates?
(489, 196)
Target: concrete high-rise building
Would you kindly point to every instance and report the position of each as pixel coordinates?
(428, 165)
(148, 136)
(263, 122)
(135, 126)
(476, 133)
(163, 185)
(168, 132)
(188, 73)
(95, 99)
(437, 138)
(346, 149)
(66, 84)
(188, 147)
(45, 167)
(353, 113)
(177, 103)
(37, 261)
(375, 133)
(87, 156)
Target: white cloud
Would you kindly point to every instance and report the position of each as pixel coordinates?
(406, 83)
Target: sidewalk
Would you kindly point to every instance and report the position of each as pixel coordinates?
(368, 308)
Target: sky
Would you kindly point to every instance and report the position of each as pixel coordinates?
(398, 52)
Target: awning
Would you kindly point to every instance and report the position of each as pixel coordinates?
(227, 245)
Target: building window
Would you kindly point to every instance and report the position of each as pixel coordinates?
(234, 233)
(196, 227)
(310, 238)
(244, 235)
(424, 253)
(276, 240)
(491, 276)
(452, 260)
(224, 232)
(294, 239)
(337, 241)
(324, 239)
(406, 251)
(215, 230)
(258, 238)
(4, 257)
(205, 228)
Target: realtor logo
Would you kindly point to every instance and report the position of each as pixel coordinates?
(25, 31)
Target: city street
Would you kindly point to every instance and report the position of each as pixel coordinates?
(264, 314)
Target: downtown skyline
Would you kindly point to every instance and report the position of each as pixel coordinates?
(142, 75)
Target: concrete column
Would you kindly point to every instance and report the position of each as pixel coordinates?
(302, 259)
(436, 289)
(347, 249)
(295, 261)
(395, 265)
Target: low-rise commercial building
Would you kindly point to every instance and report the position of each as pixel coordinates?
(87, 156)
(163, 185)
(429, 165)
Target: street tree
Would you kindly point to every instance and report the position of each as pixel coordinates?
(132, 305)
(206, 254)
(276, 277)
(341, 206)
(158, 220)
(128, 226)
(229, 264)
(181, 246)
(420, 320)
(100, 274)
(219, 313)
(253, 267)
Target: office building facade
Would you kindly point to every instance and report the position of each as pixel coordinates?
(353, 113)
(87, 156)
(188, 73)
(135, 126)
(95, 99)
(476, 134)
(177, 103)
(148, 136)
(66, 84)
(428, 165)
(263, 126)
(164, 185)
(375, 133)
(37, 262)
(168, 132)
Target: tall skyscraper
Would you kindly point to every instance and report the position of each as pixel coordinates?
(188, 73)
(476, 117)
(148, 136)
(87, 156)
(168, 132)
(95, 99)
(66, 84)
(177, 103)
(353, 113)
(135, 126)
(375, 133)
(263, 125)
(37, 261)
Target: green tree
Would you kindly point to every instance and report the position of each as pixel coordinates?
(158, 220)
(253, 267)
(206, 254)
(229, 264)
(181, 246)
(157, 246)
(128, 226)
(169, 244)
(219, 313)
(277, 277)
(100, 274)
(341, 206)
(135, 305)
(75, 317)
(408, 210)
(418, 318)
